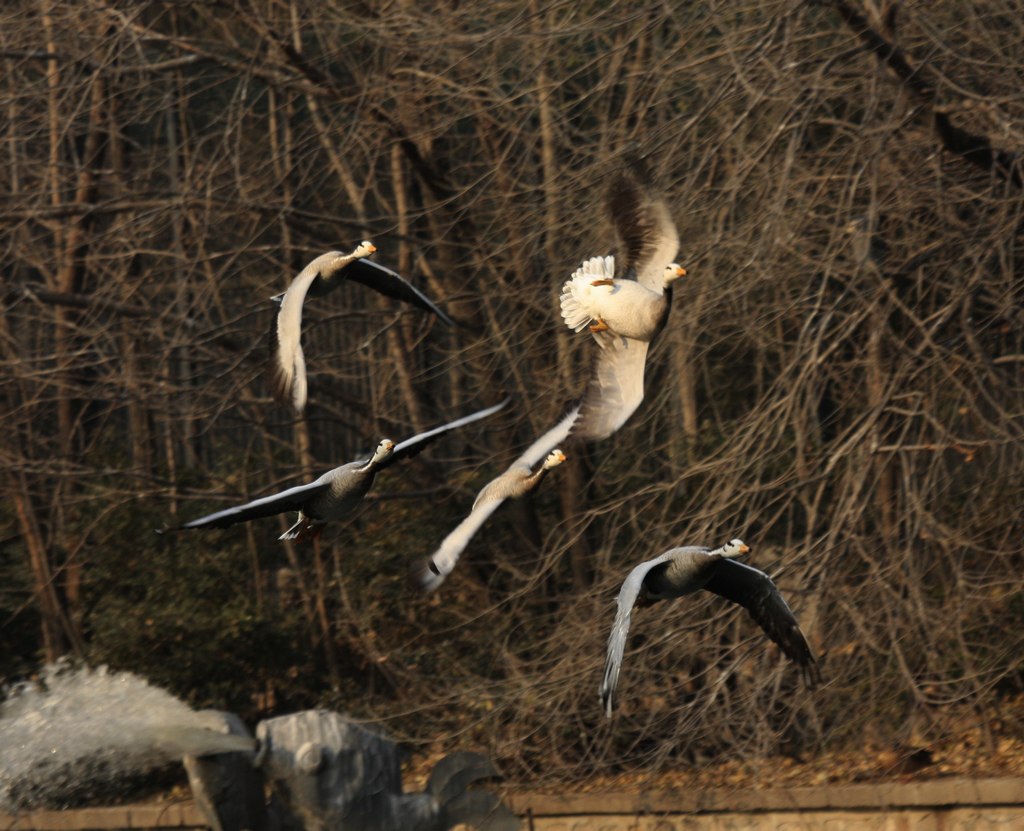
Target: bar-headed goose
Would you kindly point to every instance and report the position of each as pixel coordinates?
(334, 494)
(682, 571)
(287, 368)
(516, 481)
(625, 313)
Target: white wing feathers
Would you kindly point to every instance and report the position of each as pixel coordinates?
(431, 573)
(549, 441)
(576, 299)
(663, 247)
(287, 361)
(615, 389)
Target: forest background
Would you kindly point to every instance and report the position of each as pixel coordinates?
(840, 384)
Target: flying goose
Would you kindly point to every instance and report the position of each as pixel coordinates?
(517, 480)
(681, 571)
(287, 368)
(626, 313)
(334, 494)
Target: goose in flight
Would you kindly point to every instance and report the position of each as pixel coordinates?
(681, 571)
(517, 480)
(287, 368)
(626, 313)
(336, 493)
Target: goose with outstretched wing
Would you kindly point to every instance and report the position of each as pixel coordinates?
(287, 367)
(336, 493)
(682, 571)
(625, 313)
(518, 479)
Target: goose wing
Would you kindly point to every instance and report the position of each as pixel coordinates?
(292, 499)
(547, 442)
(615, 389)
(390, 283)
(620, 628)
(755, 591)
(286, 371)
(644, 225)
(411, 446)
(431, 571)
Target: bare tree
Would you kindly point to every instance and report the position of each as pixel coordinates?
(839, 384)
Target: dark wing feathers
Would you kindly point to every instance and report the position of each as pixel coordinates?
(757, 593)
(411, 446)
(290, 500)
(390, 283)
(647, 233)
(633, 221)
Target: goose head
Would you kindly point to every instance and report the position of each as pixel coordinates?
(673, 271)
(364, 249)
(554, 459)
(734, 548)
(384, 449)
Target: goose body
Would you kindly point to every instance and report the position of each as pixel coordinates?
(518, 479)
(336, 493)
(682, 571)
(287, 367)
(593, 297)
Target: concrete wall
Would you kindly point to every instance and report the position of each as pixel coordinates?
(937, 805)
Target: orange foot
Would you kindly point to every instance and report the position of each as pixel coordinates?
(600, 326)
(605, 281)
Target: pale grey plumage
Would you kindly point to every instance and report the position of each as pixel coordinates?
(517, 480)
(682, 571)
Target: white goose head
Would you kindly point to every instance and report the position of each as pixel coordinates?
(554, 459)
(673, 271)
(733, 548)
(364, 249)
(384, 449)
